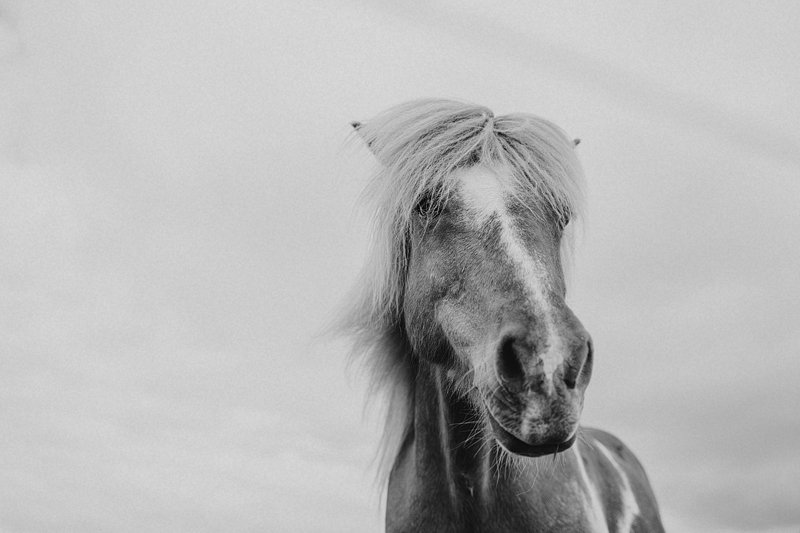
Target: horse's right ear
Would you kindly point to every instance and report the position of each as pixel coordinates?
(357, 126)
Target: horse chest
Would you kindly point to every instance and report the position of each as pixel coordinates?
(436, 504)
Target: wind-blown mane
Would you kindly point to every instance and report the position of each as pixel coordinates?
(419, 144)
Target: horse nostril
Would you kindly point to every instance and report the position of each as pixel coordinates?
(509, 366)
(580, 364)
(587, 364)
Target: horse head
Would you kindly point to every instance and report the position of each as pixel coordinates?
(479, 207)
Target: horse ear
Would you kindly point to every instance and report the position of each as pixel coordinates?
(357, 126)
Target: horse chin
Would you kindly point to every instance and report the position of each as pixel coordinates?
(518, 446)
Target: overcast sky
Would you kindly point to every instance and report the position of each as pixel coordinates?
(179, 217)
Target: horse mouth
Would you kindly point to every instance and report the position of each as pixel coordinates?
(516, 445)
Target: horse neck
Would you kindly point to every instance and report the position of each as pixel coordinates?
(449, 439)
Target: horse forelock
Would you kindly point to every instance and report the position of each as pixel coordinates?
(419, 145)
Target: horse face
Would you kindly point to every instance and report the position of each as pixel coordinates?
(485, 295)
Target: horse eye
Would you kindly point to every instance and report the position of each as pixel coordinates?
(428, 207)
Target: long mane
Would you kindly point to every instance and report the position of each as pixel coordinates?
(419, 144)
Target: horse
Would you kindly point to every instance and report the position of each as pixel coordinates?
(460, 319)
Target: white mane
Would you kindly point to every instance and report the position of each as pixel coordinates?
(419, 144)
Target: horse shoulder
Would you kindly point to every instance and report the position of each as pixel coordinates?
(620, 479)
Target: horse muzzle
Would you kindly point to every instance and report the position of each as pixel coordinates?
(531, 425)
(520, 447)
(535, 406)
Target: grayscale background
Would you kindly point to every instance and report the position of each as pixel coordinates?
(179, 217)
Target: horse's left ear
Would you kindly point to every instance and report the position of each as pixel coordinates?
(575, 142)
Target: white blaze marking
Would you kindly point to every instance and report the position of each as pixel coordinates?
(630, 509)
(483, 192)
